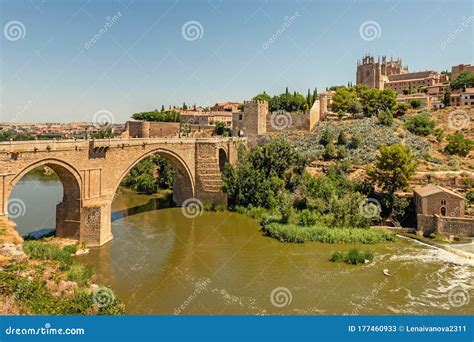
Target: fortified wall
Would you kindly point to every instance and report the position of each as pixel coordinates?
(150, 129)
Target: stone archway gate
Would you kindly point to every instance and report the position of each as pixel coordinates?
(91, 172)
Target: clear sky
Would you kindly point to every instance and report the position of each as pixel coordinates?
(52, 70)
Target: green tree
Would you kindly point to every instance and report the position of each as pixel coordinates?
(222, 129)
(421, 124)
(166, 116)
(415, 103)
(400, 109)
(458, 144)
(394, 167)
(447, 97)
(463, 81)
(345, 100)
(263, 97)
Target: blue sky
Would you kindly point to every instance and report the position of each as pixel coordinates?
(143, 60)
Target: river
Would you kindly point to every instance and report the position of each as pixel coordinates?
(161, 262)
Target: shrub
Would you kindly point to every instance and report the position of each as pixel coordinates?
(354, 256)
(337, 256)
(326, 137)
(415, 103)
(79, 273)
(330, 151)
(385, 118)
(71, 249)
(342, 139)
(400, 109)
(458, 144)
(47, 251)
(355, 141)
(421, 124)
(307, 218)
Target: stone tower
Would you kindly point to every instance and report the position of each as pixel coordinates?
(375, 74)
(252, 121)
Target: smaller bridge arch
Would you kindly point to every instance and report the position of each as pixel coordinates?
(68, 212)
(184, 186)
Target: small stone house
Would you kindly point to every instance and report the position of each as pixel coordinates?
(441, 210)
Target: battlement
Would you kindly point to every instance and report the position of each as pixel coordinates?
(255, 102)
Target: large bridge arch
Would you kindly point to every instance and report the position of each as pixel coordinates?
(184, 186)
(68, 212)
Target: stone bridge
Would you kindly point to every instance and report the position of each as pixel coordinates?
(92, 170)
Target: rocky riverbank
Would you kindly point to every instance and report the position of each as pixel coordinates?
(43, 278)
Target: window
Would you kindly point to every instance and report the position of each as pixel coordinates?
(240, 117)
(443, 202)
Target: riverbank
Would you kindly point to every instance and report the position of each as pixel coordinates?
(43, 278)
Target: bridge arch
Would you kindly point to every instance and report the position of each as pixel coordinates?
(68, 212)
(184, 186)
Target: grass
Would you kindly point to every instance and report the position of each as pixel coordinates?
(319, 233)
(27, 283)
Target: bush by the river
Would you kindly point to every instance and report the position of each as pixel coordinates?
(321, 233)
(353, 257)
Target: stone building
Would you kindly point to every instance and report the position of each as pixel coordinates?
(225, 107)
(392, 74)
(441, 210)
(457, 69)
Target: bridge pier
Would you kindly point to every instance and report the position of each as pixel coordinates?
(96, 228)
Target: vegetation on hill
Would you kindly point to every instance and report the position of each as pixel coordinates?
(270, 183)
(290, 102)
(361, 99)
(365, 137)
(163, 116)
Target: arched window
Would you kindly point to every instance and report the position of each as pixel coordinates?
(443, 202)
